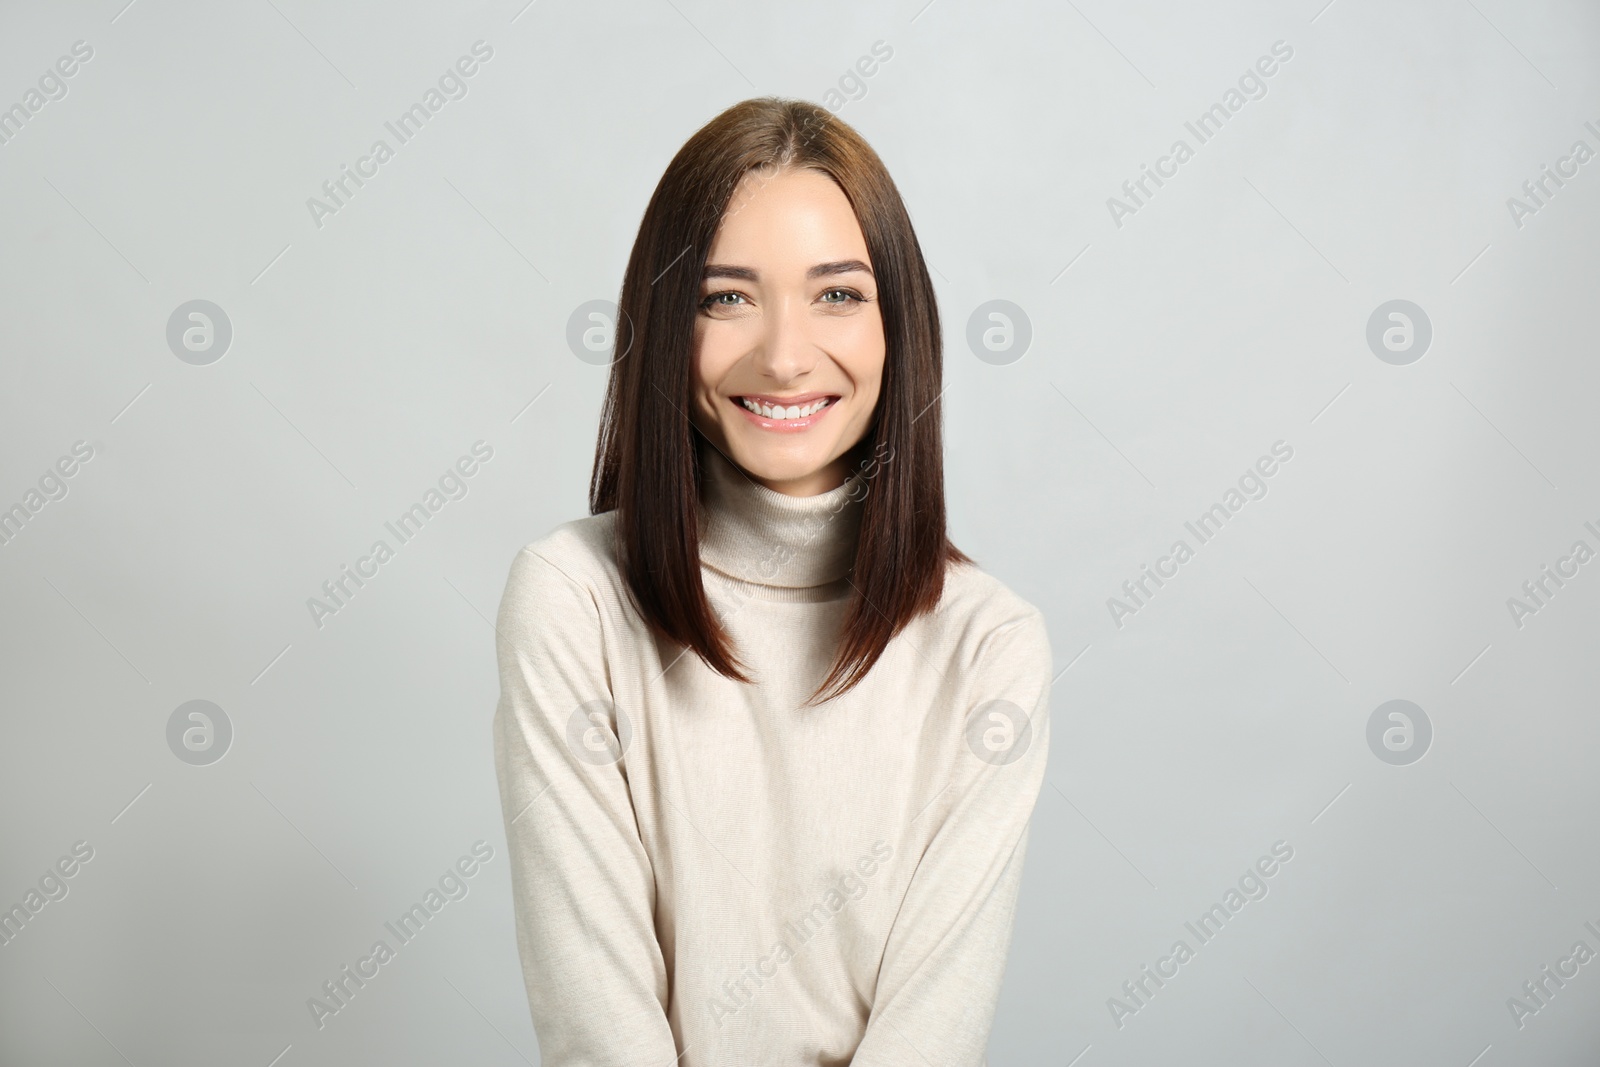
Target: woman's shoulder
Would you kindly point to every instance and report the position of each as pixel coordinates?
(972, 592)
(582, 550)
(980, 612)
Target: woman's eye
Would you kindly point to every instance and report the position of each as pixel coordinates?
(834, 297)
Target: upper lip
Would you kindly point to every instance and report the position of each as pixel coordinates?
(798, 400)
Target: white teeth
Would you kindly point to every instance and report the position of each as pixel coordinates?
(780, 412)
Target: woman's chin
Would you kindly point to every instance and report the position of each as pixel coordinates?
(797, 471)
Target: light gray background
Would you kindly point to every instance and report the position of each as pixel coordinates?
(1167, 354)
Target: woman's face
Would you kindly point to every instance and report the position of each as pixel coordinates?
(788, 337)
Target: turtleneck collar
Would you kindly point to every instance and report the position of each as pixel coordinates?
(759, 535)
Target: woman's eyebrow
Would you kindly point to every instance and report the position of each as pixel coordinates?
(839, 266)
(749, 274)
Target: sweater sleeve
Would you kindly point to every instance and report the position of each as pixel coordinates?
(946, 953)
(583, 889)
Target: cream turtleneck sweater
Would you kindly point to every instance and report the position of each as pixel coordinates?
(707, 874)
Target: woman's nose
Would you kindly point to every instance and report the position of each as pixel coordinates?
(787, 351)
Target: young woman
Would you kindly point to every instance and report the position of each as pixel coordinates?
(767, 742)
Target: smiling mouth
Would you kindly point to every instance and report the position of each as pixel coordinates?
(785, 409)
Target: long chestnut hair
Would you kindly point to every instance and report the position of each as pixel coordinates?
(647, 466)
